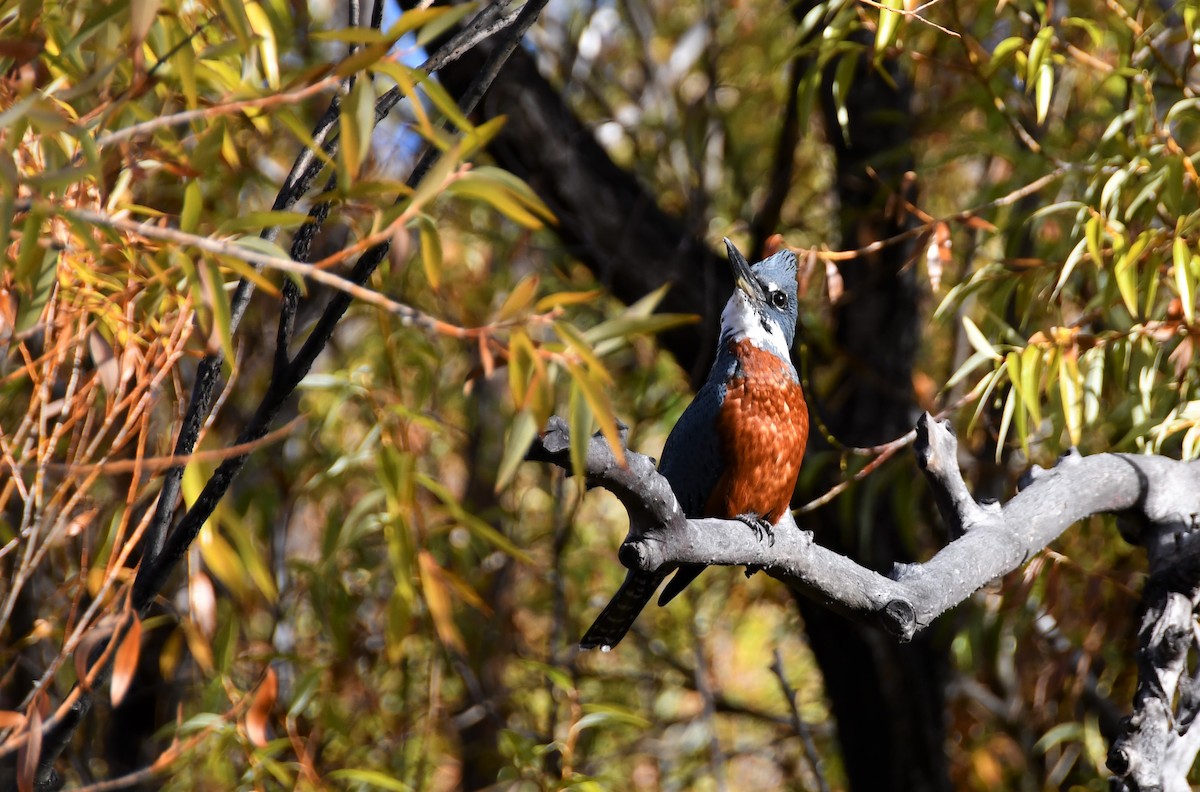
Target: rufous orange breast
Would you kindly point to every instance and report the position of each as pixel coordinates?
(763, 430)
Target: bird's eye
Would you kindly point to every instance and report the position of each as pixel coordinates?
(779, 299)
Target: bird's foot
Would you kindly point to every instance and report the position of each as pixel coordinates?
(760, 527)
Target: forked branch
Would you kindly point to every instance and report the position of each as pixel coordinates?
(1160, 495)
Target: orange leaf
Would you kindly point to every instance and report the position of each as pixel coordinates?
(125, 665)
(257, 719)
(102, 631)
(979, 224)
(31, 752)
(437, 599)
(11, 720)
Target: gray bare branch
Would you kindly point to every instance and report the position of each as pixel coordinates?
(1160, 497)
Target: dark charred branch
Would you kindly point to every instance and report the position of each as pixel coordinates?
(1156, 747)
(168, 539)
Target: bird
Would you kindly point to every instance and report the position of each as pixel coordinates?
(736, 451)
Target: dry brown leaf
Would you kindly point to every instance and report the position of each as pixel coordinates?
(258, 717)
(125, 664)
(203, 600)
(107, 368)
(141, 18)
(833, 282)
(773, 244)
(485, 357)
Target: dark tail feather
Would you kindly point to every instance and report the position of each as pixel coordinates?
(618, 616)
(686, 574)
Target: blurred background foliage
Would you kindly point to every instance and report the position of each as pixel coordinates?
(388, 598)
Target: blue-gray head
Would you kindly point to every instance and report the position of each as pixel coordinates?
(764, 305)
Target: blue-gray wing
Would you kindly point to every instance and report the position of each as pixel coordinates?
(691, 463)
(691, 459)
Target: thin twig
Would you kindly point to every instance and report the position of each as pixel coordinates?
(958, 217)
(188, 116)
(913, 14)
(802, 730)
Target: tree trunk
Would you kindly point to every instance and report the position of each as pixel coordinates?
(613, 225)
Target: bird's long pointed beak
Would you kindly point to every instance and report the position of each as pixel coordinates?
(742, 275)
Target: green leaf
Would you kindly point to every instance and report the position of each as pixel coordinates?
(218, 302)
(979, 340)
(601, 407)
(1093, 234)
(234, 14)
(563, 299)
(517, 203)
(1031, 363)
(889, 23)
(521, 356)
(444, 102)
(1126, 273)
(406, 80)
(262, 246)
(431, 186)
(372, 778)
(1181, 259)
(38, 293)
(1092, 366)
(438, 25)
(1003, 52)
(1111, 194)
(1037, 54)
(1043, 90)
(579, 345)
(519, 299)
(601, 715)
(1063, 732)
(625, 326)
(431, 250)
(362, 59)
(252, 560)
(579, 421)
(256, 221)
(520, 437)
(193, 204)
(517, 187)
(1073, 259)
(1070, 388)
(559, 677)
(808, 94)
(843, 79)
(976, 360)
(268, 47)
(473, 524)
(1010, 404)
(474, 140)
(984, 388)
(357, 124)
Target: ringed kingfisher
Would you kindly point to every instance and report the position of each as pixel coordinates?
(736, 451)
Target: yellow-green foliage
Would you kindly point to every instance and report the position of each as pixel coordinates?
(388, 598)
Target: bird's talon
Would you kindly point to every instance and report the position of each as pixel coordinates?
(760, 527)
